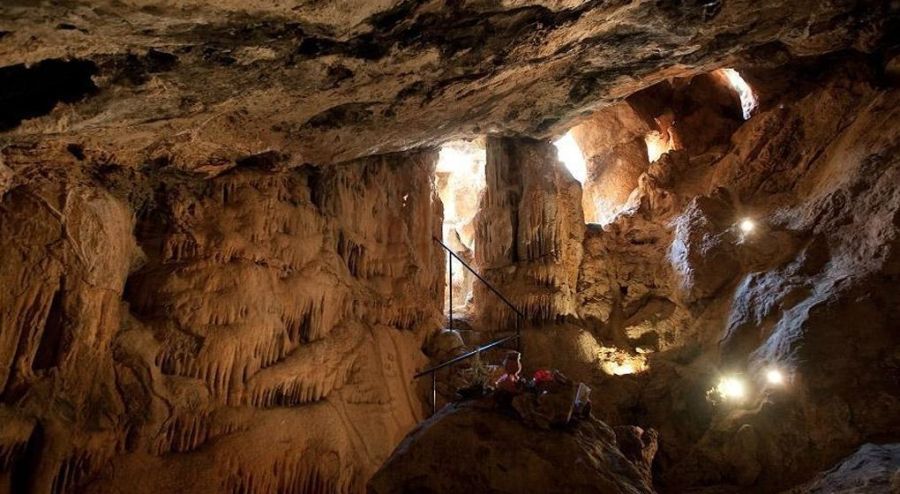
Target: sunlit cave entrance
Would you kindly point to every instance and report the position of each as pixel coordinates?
(459, 179)
(608, 151)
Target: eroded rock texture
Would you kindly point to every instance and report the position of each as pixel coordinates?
(255, 332)
(205, 83)
(872, 468)
(528, 233)
(467, 448)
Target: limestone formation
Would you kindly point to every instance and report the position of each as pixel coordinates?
(528, 234)
(206, 83)
(682, 294)
(873, 468)
(189, 326)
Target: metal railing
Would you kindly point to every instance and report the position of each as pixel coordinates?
(519, 321)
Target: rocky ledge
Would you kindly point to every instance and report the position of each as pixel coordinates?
(467, 447)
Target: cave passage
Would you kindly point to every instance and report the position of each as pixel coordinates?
(460, 180)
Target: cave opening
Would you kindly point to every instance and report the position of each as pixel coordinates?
(570, 154)
(32, 91)
(460, 182)
(749, 100)
(608, 150)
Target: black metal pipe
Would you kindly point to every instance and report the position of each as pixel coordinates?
(450, 285)
(486, 282)
(465, 356)
(518, 337)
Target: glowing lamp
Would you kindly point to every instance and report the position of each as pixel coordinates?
(731, 388)
(774, 376)
(747, 225)
(624, 369)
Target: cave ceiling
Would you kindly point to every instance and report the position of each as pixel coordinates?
(201, 84)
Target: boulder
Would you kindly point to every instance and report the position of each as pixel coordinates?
(467, 447)
(872, 469)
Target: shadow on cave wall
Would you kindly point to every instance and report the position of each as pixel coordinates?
(28, 92)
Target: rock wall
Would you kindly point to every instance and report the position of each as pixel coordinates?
(813, 293)
(253, 331)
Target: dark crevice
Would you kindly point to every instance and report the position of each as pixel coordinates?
(76, 150)
(20, 479)
(28, 92)
(346, 114)
(50, 348)
(137, 69)
(365, 47)
(267, 161)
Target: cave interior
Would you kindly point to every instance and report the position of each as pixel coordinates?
(286, 247)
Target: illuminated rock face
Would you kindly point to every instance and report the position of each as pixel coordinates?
(696, 114)
(872, 468)
(254, 332)
(528, 231)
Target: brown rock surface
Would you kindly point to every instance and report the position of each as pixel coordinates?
(808, 291)
(205, 83)
(674, 291)
(467, 448)
(528, 232)
(250, 333)
(873, 469)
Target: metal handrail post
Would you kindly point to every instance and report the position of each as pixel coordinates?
(480, 278)
(518, 336)
(520, 317)
(450, 285)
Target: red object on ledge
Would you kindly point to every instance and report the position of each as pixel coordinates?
(542, 375)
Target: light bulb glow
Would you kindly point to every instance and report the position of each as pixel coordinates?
(774, 376)
(731, 388)
(747, 225)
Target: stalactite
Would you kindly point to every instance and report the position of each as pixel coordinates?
(75, 469)
(183, 433)
(290, 475)
(257, 295)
